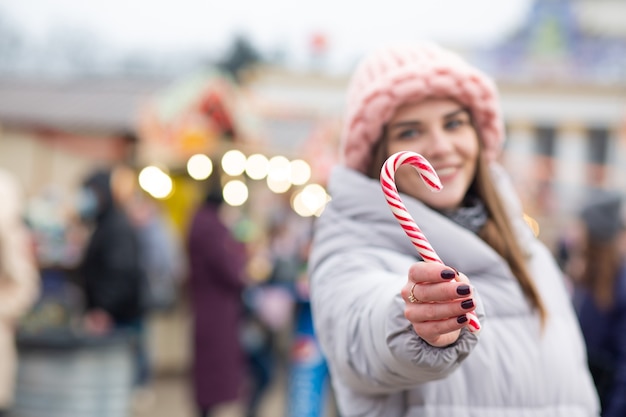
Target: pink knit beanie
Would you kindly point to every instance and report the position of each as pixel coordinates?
(399, 74)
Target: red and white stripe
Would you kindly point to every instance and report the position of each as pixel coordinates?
(417, 237)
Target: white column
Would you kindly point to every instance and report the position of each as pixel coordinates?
(518, 155)
(570, 156)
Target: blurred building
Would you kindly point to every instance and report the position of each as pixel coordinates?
(562, 77)
(54, 131)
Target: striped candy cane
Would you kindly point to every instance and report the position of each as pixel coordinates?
(430, 178)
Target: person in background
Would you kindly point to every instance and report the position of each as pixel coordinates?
(258, 340)
(600, 297)
(271, 306)
(217, 263)
(19, 282)
(161, 253)
(111, 269)
(394, 328)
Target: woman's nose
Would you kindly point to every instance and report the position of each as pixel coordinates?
(438, 142)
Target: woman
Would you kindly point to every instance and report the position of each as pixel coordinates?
(217, 264)
(389, 356)
(19, 282)
(600, 298)
(112, 273)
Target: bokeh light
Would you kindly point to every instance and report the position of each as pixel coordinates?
(278, 185)
(234, 162)
(311, 201)
(199, 167)
(300, 172)
(278, 176)
(257, 166)
(235, 193)
(279, 169)
(534, 225)
(155, 182)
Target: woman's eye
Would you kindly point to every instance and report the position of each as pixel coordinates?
(454, 123)
(407, 134)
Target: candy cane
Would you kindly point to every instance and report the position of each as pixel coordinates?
(430, 178)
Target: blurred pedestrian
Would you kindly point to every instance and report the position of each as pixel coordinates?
(161, 253)
(271, 307)
(19, 282)
(111, 269)
(217, 263)
(600, 298)
(258, 339)
(394, 329)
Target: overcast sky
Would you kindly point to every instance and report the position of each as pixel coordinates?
(351, 26)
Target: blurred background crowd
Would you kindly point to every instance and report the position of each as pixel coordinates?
(197, 177)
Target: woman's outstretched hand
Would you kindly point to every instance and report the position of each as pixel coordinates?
(438, 299)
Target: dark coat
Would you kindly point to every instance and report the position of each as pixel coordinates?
(112, 274)
(605, 336)
(216, 266)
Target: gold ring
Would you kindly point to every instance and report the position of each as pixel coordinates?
(411, 295)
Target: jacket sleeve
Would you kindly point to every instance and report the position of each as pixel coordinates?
(362, 329)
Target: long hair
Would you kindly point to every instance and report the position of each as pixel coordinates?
(602, 263)
(497, 231)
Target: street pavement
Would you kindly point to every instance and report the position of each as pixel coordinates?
(169, 394)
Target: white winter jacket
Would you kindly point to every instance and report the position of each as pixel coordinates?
(380, 367)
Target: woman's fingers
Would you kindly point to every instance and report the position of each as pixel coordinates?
(414, 292)
(425, 272)
(423, 312)
(433, 283)
(462, 278)
(438, 300)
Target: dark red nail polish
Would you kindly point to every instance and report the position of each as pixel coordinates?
(463, 290)
(448, 274)
(461, 319)
(467, 304)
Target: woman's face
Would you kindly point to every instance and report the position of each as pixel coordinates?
(441, 131)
